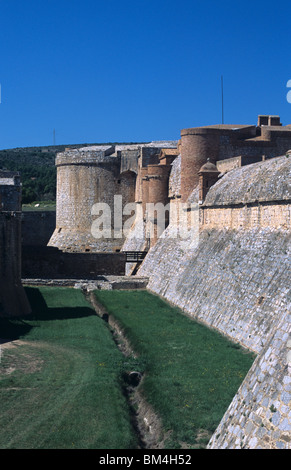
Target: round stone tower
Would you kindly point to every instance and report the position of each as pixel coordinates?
(157, 196)
(197, 145)
(88, 181)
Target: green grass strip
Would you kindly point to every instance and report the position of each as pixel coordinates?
(60, 387)
(192, 372)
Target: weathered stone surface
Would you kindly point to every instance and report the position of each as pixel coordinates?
(237, 280)
(264, 181)
(13, 300)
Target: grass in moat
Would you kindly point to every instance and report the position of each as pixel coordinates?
(192, 372)
(39, 206)
(60, 383)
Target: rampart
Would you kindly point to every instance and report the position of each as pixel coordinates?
(233, 275)
(13, 300)
(40, 262)
(237, 280)
(37, 227)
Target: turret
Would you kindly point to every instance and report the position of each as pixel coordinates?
(197, 145)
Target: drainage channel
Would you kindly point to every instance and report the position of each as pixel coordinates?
(145, 422)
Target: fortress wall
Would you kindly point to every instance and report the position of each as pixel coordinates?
(100, 174)
(259, 415)
(13, 300)
(175, 178)
(39, 262)
(237, 280)
(139, 182)
(37, 227)
(144, 188)
(260, 182)
(242, 245)
(274, 140)
(227, 142)
(126, 189)
(261, 215)
(256, 195)
(129, 160)
(234, 281)
(230, 147)
(10, 196)
(236, 162)
(136, 239)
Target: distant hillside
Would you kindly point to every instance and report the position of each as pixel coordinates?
(37, 168)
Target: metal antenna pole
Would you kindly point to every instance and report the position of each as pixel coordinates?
(222, 111)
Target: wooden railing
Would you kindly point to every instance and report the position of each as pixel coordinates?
(135, 256)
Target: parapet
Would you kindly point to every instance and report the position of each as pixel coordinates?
(237, 131)
(87, 155)
(10, 191)
(267, 181)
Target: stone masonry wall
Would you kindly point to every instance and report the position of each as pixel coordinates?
(237, 280)
(40, 262)
(37, 227)
(256, 195)
(259, 417)
(13, 300)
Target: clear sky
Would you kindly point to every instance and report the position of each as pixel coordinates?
(138, 70)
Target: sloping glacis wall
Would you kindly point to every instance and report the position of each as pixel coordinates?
(237, 280)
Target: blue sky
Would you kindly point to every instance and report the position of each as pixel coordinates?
(132, 71)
